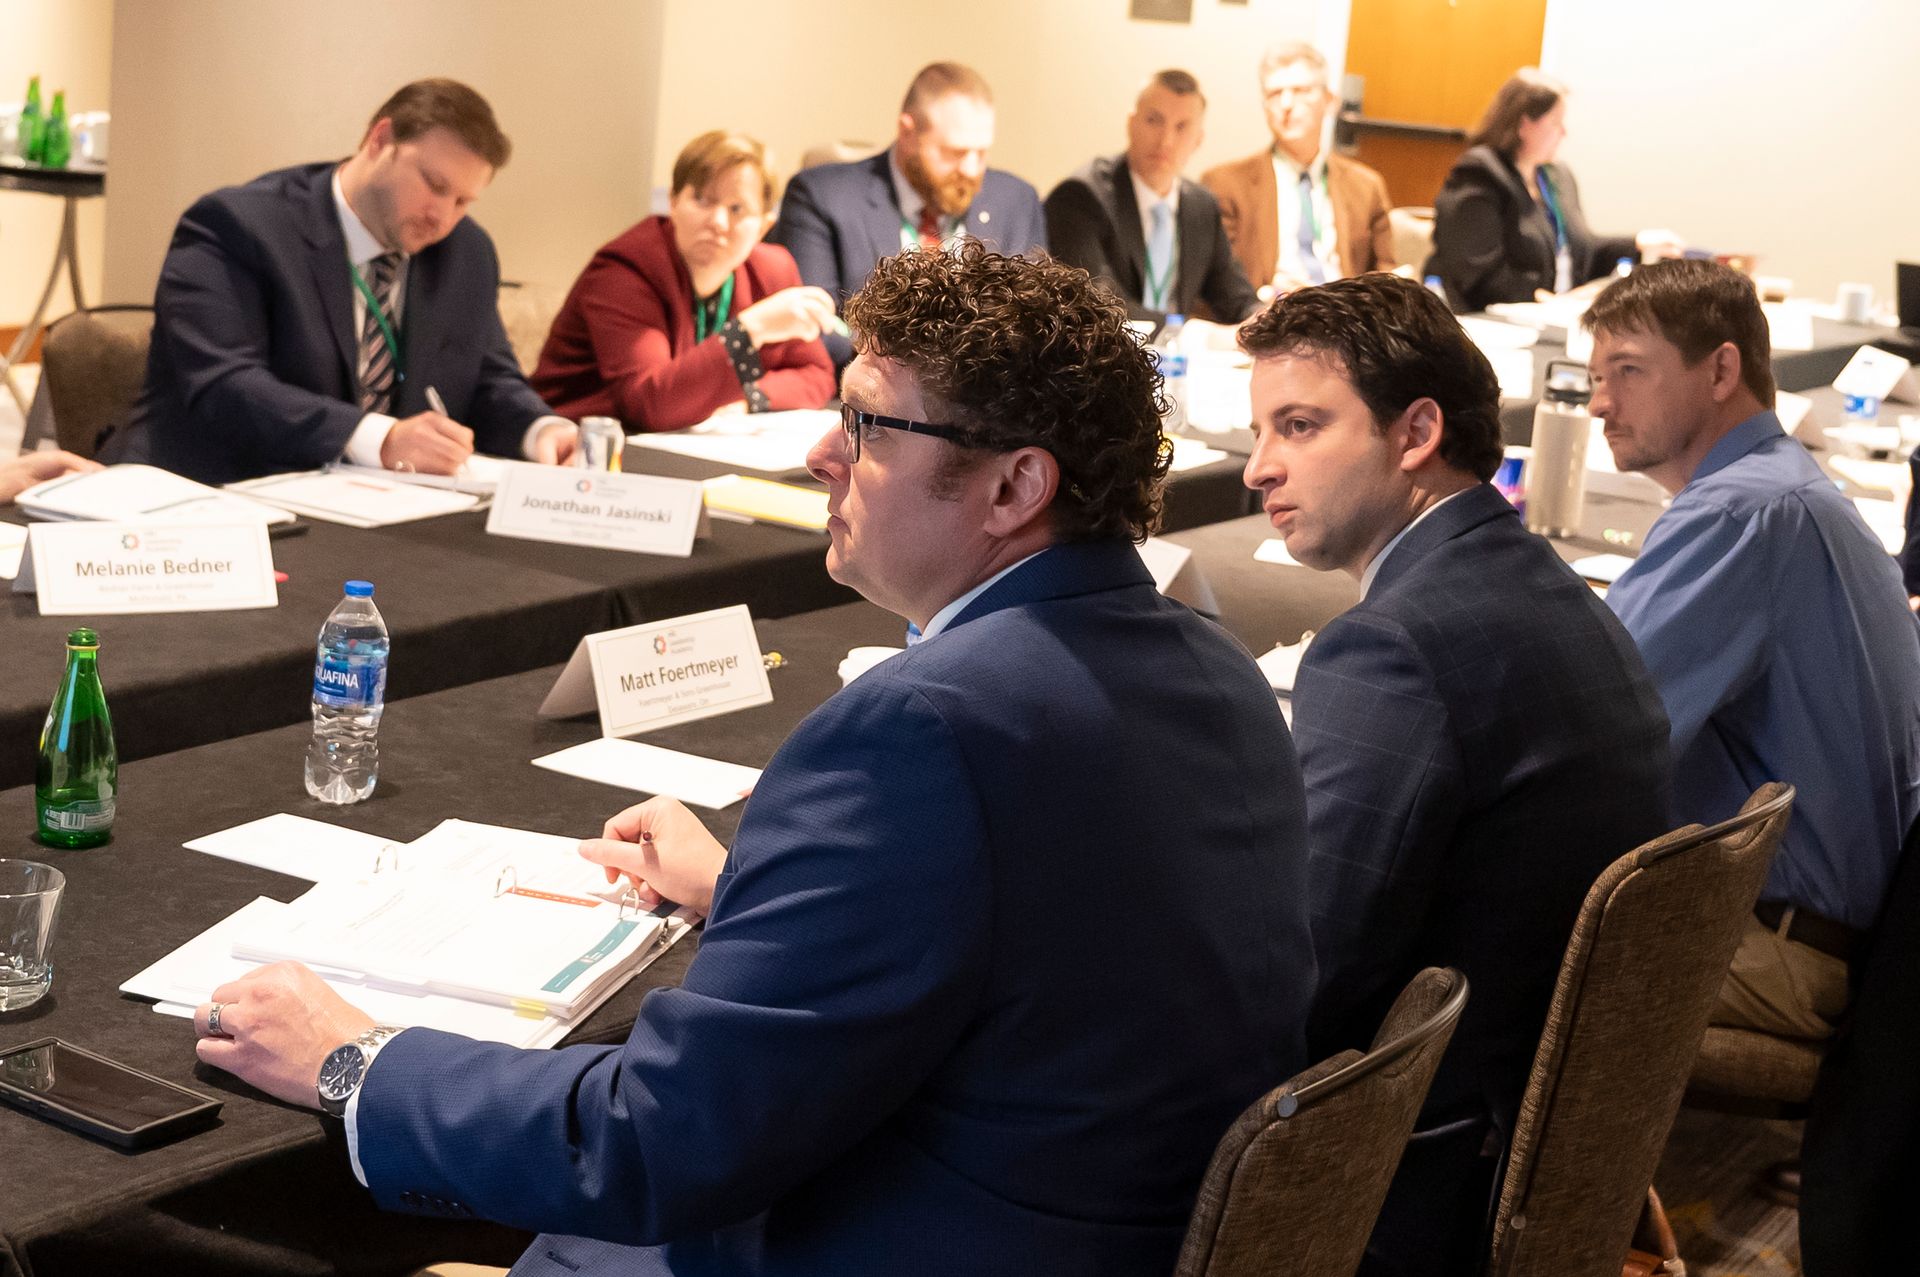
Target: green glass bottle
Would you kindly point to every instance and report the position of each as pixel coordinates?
(30, 123)
(56, 141)
(76, 785)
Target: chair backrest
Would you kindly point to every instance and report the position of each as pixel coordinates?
(1648, 956)
(527, 312)
(1412, 230)
(842, 151)
(1296, 1183)
(94, 362)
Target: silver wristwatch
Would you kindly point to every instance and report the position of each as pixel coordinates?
(346, 1067)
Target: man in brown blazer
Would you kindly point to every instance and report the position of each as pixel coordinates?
(1298, 214)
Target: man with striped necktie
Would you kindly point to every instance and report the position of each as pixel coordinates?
(930, 189)
(343, 311)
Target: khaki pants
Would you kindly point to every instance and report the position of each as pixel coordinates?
(1782, 987)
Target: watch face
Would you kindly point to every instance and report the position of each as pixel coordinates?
(340, 1071)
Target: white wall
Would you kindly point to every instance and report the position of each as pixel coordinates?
(70, 45)
(1790, 128)
(1064, 72)
(211, 92)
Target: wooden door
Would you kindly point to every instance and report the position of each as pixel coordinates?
(1428, 69)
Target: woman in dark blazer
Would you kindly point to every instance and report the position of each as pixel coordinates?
(1508, 224)
(690, 314)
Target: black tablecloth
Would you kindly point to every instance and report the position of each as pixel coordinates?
(461, 605)
(269, 1190)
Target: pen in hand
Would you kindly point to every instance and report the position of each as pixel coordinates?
(435, 402)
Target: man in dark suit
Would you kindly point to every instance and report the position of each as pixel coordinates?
(1146, 232)
(1478, 734)
(973, 899)
(312, 314)
(931, 189)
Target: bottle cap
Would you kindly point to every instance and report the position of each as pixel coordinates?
(86, 639)
(359, 589)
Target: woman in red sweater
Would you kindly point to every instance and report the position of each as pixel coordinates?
(690, 314)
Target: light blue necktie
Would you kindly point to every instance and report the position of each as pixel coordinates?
(1160, 256)
(1309, 259)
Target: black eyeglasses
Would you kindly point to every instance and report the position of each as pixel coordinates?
(853, 422)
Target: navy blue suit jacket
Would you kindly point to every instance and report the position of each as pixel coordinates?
(839, 220)
(254, 364)
(1013, 927)
(1480, 740)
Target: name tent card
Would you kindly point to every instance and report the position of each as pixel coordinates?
(100, 569)
(640, 513)
(664, 672)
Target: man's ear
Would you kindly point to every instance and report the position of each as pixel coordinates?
(1422, 425)
(1023, 486)
(1724, 363)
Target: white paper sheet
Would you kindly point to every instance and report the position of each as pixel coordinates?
(1886, 520)
(141, 494)
(765, 441)
(1494, 334)
(295, 846)
(185, 978)
(1880, 476)
(629, 764)
(1514, 368)
(1789, 325)
(1274, 550)
(1792, 410)
(359, 501)
(13, 541)
(479, 474)
(1604, 568)
(1282, 664)
(1219, 398)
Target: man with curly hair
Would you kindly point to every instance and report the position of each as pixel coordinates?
(1013, 925)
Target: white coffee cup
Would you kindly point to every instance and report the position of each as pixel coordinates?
(1855, 303)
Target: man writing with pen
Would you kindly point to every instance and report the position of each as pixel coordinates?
(343, 312)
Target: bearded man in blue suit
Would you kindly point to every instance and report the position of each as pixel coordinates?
(931, 189)
(1013, 925)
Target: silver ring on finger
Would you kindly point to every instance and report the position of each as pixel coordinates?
(213, 1020)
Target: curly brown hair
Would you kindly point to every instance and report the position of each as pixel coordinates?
(1029, 353)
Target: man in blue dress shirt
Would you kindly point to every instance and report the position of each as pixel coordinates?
(1774, 624)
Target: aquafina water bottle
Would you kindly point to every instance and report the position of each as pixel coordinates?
(349, 689)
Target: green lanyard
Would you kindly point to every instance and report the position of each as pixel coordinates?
(1156, 297)
(710, 314)
(386, 329)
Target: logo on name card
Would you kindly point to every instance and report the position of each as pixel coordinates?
(584, 486)
(130, 542)
(660, 644)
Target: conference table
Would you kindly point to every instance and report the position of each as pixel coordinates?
(461, 605)
(244, 1197)
(268, 1190)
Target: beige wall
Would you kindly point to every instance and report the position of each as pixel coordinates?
(1064, 72)
(70, 45)
(1781, 127)
(211, 92)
